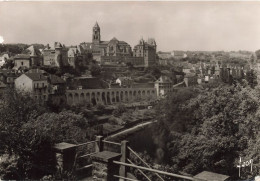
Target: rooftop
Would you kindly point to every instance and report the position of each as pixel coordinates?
(205, 176)
(36, 76)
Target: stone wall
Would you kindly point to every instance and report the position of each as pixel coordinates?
(109, 96)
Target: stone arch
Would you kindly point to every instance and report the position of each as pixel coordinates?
(88, 97)
(130, 97)
(76, 98)
(70, 99)
(143, 93)
(108, 98)
(139, 93)
(122, 96)
(104, 98)
(113, 96)
(98, 97)
(126, 96)
(82, 97)
(117, 97)
(93, 98)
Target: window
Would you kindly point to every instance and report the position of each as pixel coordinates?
(21, 63)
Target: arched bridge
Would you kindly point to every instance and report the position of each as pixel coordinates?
(109, 96)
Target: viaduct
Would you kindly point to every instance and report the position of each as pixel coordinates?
(109, 96)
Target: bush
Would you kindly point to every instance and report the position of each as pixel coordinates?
(100, 107)
(120, 109)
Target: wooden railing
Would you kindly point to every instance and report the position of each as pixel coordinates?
(137, 156)
(125, 162)
(154, 170)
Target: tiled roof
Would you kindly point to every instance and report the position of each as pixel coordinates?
(164, 79)
(56, 80)
(36, 76)
(22, 56)
(114, 39)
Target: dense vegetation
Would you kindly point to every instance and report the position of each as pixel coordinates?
(29, 131)
(208, 128)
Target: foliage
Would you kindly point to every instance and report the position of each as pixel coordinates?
(154, 70)
(16, 109)
(100, 107)
(13, 48)
(95, 69)
(120, 109)
(251, 78)
(213, 128)
(29, 132)
(63, 127)
(9, 64)
(8, 168)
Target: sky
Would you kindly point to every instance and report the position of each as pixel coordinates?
(208, 26)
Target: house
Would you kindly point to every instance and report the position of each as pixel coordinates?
(163, 86)
(124, 81)
(147, 51)
(56, 56)
(30, 57)
(206, 176)
(3, 58)
(34, 82)
(7, 76)
(77, 56)
(57, 89)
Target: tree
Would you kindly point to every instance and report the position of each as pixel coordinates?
(120, 109)
(29, 132)
(9, 64)
(16, 109)
(213, 128)
(65, 126)
(95, 70)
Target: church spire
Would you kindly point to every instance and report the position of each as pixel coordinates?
(96, 37)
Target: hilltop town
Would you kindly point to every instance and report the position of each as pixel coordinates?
(112, 71)
(74, 93)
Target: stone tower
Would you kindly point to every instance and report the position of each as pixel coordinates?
(58, 54)
(96, 34)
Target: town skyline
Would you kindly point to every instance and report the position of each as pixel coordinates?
(188, 26)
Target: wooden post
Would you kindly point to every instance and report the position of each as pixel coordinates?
(125, 155)
(99, 144)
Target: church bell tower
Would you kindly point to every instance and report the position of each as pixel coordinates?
(96, 34)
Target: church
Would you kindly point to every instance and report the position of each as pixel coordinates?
(113, 48)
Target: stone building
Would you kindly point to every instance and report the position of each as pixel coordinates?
(34, 82)
(56, 89)
(146, 50)
(56, 56)
(112, 48)
(163, 86)
(78, 57)
(42, 86)
(8, 76)
(30, 57)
